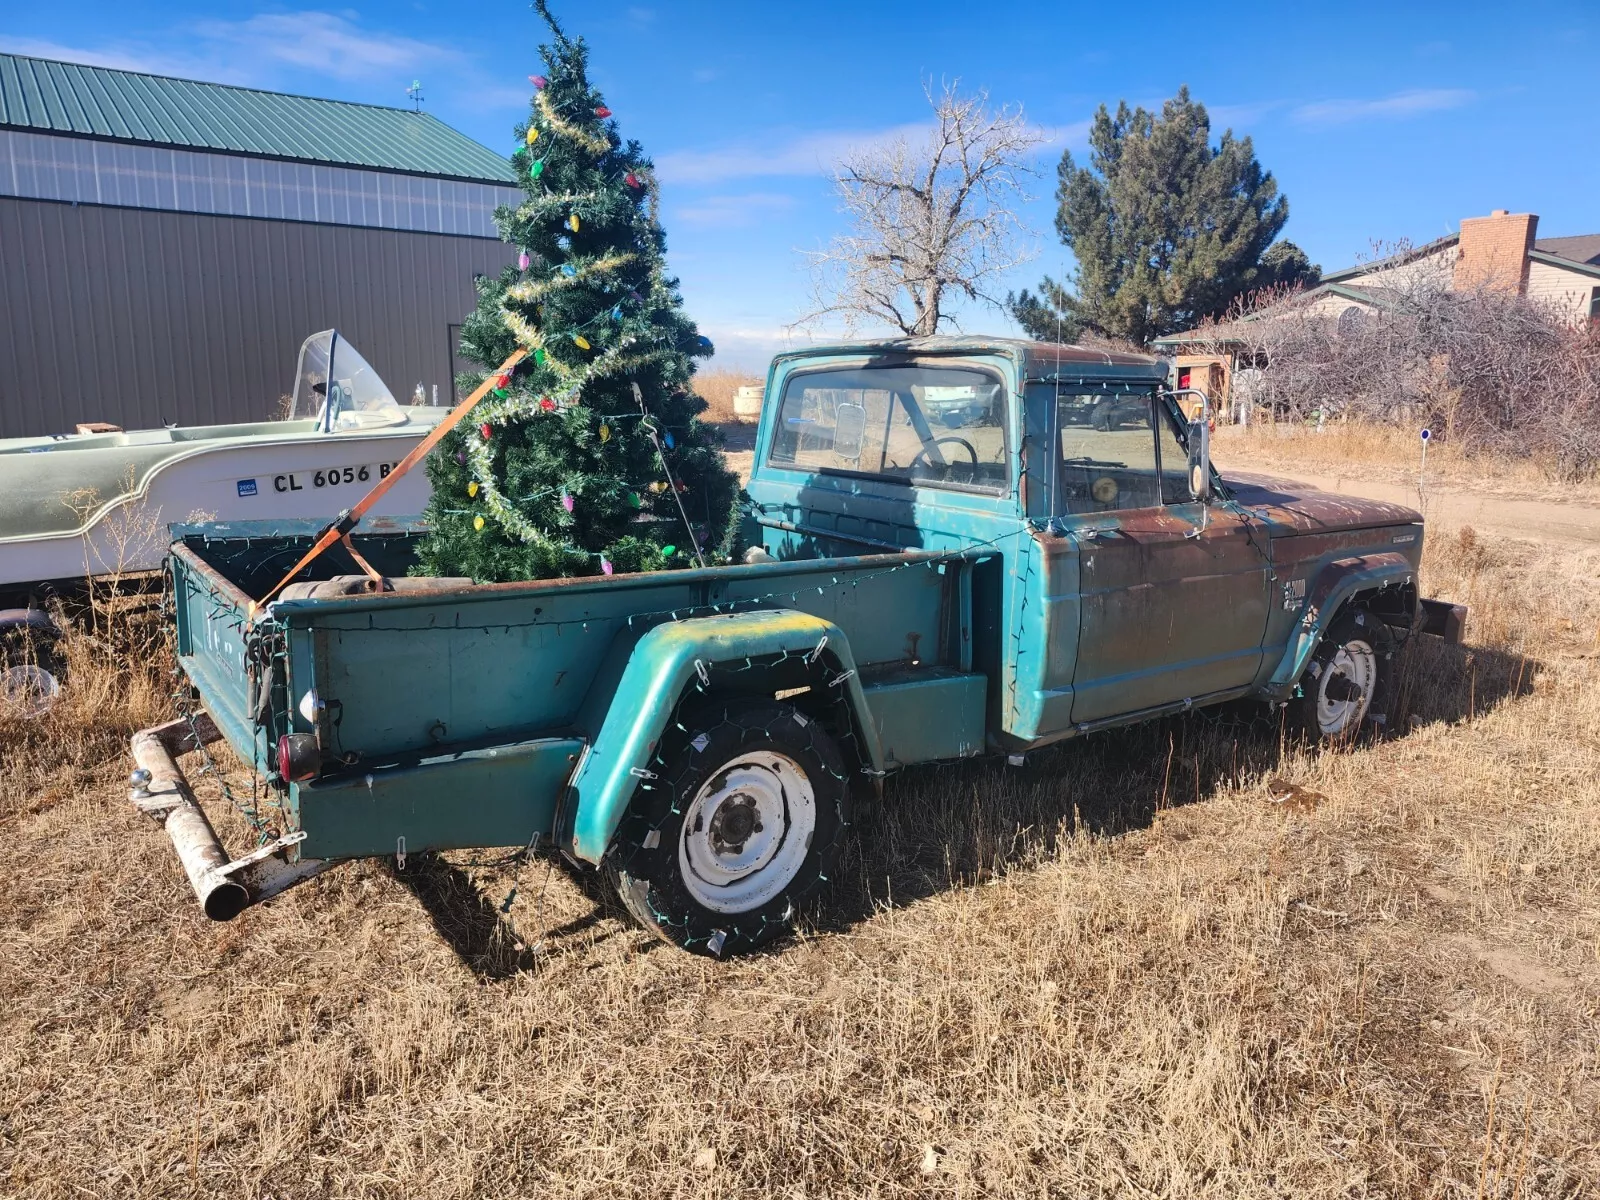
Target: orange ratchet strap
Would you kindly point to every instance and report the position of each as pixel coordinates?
(340, 529)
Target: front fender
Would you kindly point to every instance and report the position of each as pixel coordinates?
(660, 667)
(1337, 583)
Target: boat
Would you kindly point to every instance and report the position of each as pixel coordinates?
(86, 505)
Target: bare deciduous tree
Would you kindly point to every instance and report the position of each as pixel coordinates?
(1493, 372)
(927, 220)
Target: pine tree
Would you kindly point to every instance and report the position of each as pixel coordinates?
(1166, 228)
(561, 470)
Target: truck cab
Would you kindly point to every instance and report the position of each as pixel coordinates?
(1124, 587)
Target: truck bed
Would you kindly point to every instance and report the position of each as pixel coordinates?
(505, 684)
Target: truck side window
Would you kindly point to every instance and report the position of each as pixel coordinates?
(932, 425)
(1107, 450)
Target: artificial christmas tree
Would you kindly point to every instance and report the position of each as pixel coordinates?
(589, 456)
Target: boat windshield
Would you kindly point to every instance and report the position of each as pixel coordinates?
(339, 389)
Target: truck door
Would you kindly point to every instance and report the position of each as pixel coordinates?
(1173, 594)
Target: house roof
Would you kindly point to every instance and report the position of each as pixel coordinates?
(128, 106)
(1373, 297)
(1394, 260)
(1585, 248)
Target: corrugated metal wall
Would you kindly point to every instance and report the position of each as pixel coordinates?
(141, 318)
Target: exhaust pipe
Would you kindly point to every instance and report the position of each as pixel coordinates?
(225, 887)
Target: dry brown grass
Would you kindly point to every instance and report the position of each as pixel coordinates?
(1119, 970)
(717, 388)
(1394, 456)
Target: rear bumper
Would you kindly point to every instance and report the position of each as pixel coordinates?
(1443, 619)
(225, 887)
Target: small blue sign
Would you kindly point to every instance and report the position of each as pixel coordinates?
(247, 487)
(1427, 435)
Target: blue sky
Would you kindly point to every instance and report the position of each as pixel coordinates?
(1380, 121)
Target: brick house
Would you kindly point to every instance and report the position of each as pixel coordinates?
(1501, 251)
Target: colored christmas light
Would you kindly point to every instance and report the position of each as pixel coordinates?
(669, 439)
(537, 169)
(581, 342)
(668, 550)
(605, 433)
(567, 502)
(572, 222)
(605, 565)
(533, 136)
(569, 270)
(523, 261)
(602, 112)
(472, 489)
(547, 404)
(486, 430)
(632, 180)
(538, 81)
(477, 523)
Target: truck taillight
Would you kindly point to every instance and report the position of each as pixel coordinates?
(299, 757)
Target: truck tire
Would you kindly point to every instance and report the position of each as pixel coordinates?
(1347, 680)
(32, 670)
(742, 824)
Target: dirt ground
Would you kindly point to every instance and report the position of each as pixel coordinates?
(1181, 960)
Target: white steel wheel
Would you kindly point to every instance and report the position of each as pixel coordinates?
(741, 823)
(27, 690)
(1344, 689)
(746, 832)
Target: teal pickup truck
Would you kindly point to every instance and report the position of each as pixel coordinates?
(910, 591)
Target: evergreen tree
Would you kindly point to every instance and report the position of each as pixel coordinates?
(560, 470)
(1166, 227)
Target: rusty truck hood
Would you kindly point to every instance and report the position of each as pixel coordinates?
(1291, 506)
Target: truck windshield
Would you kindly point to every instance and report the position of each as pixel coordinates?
(934, 425)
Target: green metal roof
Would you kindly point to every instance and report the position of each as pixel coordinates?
(70, 98)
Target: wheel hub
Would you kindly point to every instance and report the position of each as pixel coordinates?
(1344, 689)
(747, 831)
(28, 690)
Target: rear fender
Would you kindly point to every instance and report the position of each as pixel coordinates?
(655, 672)
(1377, 577)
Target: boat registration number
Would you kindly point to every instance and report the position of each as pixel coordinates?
(299, 481)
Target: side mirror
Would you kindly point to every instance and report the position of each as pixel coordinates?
(1200, 459)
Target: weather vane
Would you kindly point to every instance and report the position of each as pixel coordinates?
(415, 92)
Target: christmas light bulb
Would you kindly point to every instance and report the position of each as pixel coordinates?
(658, 486)
(461, 457)
(602, 112)
(522, 261)
(668, 550)
(477, 523)
(572, 222)
(631, 180)
(605, 565)
(538, 81)
(605, 434)
(537, 169)
(546, 404)
(671, 442)
(486, 430)
(568, 270)
(580, 341)
(567, 502)
(538, 357)
(616, 313)
(533, 136)
(472, 488)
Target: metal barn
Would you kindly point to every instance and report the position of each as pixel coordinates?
(166, 245)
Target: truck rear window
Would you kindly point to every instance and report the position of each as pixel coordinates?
(933, 426)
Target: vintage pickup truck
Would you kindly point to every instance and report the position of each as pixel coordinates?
(1062, 560)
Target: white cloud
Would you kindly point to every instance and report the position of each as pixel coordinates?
(816, 153)
(326, 43)
(128, 56)
(732, 211)
(1401, 104)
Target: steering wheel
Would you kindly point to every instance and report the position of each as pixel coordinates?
(922, 455)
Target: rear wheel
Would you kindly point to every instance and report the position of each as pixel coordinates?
(742, 824)
(1344, 684)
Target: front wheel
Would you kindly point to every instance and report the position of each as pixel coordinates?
(1345, 682)
(31, 671)
(742, 824)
